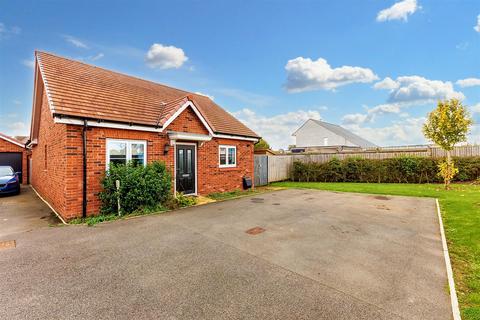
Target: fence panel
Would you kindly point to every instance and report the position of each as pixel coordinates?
(280, 167)
(261, 170)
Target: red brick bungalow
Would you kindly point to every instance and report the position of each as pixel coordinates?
(13, 153)
(85, 117)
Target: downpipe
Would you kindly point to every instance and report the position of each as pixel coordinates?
(84, 185)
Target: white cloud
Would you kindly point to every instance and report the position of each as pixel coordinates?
(468, 82)
(304, 74)
(246, 97)
(6, 32)
(206, 95)
(97, 56)
(17, 128)
(419, 90)
(386, 84)
(474, 135)
(477, 27)
(385, 108)
(28, 63)
(276, 129)
(475, 108)
(403, 132)
(371, 113)
(75, 42)
(356, 118)
(165, 57)
(399, 11)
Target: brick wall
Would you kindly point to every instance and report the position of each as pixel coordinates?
(6, 146)
(49, 161)
(210, 177)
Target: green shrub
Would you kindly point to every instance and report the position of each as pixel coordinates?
(394, 170)
(181, 201)
(141, 187)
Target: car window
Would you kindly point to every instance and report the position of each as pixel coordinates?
(6, 171)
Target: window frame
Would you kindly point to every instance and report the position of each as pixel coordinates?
(227, 165)
(128, 143)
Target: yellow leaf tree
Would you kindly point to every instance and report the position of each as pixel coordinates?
(262, 144)
(446, 126)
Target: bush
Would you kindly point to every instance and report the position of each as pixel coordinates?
(394, 170)
(141, 188)
(180, 201)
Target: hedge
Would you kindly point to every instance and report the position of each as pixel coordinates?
(394, 170)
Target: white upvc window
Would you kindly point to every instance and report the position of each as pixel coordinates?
(122, 151)
(325, 141)
(227, 156)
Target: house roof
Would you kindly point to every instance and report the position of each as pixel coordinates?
(79, 90)
(341, 131)
(12, 140)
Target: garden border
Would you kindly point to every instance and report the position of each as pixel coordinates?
(448, 265)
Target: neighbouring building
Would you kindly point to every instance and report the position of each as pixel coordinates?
(85, 117)
(14, 154)
(320, 136)
(265, 152)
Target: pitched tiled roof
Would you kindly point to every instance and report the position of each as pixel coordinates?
(80, 90)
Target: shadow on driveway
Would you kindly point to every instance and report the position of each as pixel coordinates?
(24, 212)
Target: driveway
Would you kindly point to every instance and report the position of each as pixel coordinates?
(24, 212)
(322, 255)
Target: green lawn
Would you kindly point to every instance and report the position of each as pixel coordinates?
(461, 217)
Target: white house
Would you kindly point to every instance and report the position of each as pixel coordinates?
(315, 134)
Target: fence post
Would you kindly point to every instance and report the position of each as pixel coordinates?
(117, 185)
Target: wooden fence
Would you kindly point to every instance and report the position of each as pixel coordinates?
(280, 166)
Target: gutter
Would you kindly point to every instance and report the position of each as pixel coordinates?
(84, 149)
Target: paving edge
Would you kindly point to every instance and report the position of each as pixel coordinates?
(451, 282)
(48, 204)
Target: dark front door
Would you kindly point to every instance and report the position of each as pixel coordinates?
(185, 164)
(12, 159)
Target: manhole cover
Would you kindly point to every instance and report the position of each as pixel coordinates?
(276, 204)
(254, 231)
(7, 244)
(257, 200)
(381, 198)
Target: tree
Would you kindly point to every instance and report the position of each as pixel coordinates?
(262, 144)
(446, 126)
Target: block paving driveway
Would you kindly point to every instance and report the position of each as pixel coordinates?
(309, 255)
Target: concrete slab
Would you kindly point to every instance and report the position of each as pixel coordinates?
(24, 212)
(322, 255)
(383, 250)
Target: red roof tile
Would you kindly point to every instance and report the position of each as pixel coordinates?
(82, 90)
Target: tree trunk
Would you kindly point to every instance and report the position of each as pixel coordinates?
(449, 162)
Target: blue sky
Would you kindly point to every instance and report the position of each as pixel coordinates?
(376, 67)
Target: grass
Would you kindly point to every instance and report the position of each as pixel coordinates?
(93, 220)
(461, 217)
(180, 201)
(219, 196)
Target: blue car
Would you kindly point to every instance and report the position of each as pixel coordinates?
(9, 181)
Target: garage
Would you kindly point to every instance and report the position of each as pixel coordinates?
(13, 153)
(13, 159)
